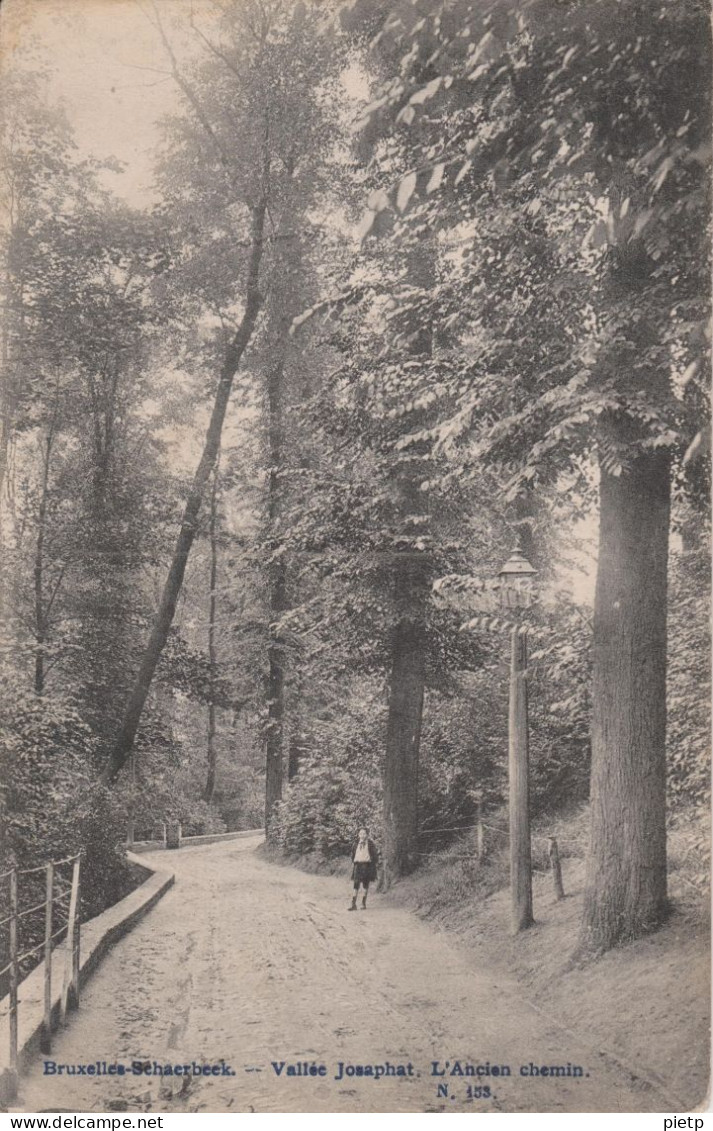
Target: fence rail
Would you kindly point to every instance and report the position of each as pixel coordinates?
(480, 826)
(61, 919)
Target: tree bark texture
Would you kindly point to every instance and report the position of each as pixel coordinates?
(38, 571)
(172, 587)
(293, 758)
(625, 894)
(275, 683)
(403, 734)
(13, 326)
(212, 657)
(409, 638)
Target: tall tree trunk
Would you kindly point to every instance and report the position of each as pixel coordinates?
(403, 733)
(293, 760)
(109, 636)
(406, 696)
(275, 688)
(40, 612)
(275, 713)
(6, 429)
(172, 586)
(409, 638)
(626, 878)
(8, 380)
(8, 407)
(212, 658)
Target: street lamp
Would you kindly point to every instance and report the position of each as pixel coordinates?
(516, 592)
(517, 582)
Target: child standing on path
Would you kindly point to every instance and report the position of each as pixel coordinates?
(364, 858)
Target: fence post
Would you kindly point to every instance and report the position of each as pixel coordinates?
(13, 981)
(69, 945)
(46, 1038)
(78, 929)
(556, 868)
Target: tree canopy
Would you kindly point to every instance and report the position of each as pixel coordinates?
(423, 282)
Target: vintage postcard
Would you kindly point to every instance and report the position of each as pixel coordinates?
(354, 556)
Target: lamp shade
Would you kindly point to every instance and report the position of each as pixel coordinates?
(516, 581)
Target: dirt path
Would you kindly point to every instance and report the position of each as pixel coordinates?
(251, 963)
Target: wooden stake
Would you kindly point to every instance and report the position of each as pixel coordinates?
(74, 1002)
(556, 868)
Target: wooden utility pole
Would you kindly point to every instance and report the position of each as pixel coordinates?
(519, 779)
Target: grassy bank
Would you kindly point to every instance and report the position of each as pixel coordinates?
(647, 1004)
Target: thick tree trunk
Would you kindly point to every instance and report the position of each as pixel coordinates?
(403, 733)
(409, 640)
(5, 433)
(273, 744)
(293, 757)
(275, 684)
(8, 408)
(212, 657)
(8, 394)
(626, 879)
(172, 586)
(109, 637)
(42, 610)
(210, 774)
(40, 635)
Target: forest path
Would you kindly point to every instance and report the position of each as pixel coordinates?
(250, 962)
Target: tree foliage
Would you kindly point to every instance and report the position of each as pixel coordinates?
(515, 340)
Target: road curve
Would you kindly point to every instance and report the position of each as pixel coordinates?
(251, 963)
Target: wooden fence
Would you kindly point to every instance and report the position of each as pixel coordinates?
(479, 827)
(55, 916)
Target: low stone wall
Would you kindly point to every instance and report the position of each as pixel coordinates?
(187, 841)
(216, 838)
(97, 936)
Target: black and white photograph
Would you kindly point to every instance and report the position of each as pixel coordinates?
(355, 562)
